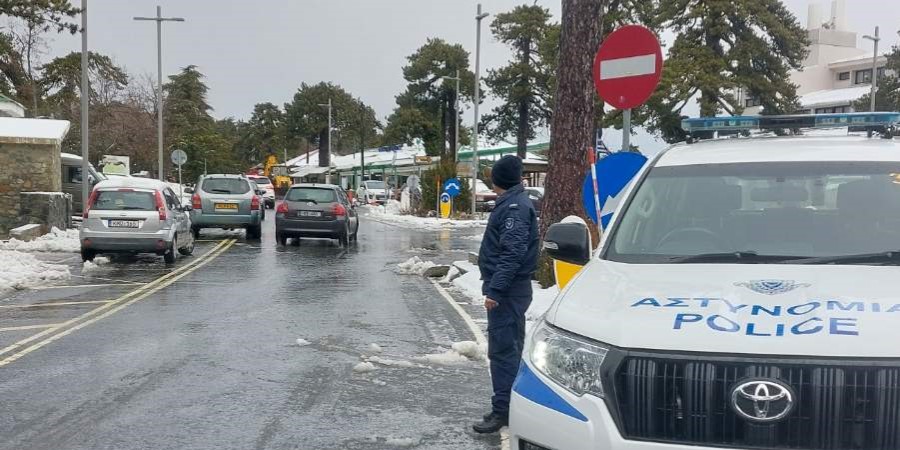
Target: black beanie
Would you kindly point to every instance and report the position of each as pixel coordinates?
(507, 172)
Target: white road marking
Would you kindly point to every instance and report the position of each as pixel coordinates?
(37, 305)
(29, 327)
(631, 66)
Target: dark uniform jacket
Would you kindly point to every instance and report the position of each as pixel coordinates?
(508, 255)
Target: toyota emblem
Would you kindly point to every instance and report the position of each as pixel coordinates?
(762, 400)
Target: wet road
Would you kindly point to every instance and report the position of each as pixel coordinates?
(204, 355)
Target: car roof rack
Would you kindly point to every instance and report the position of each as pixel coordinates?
(883, 123)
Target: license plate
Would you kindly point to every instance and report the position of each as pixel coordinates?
(309, 213)
(226, 206)
(124, 223)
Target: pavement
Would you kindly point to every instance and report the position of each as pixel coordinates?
(204, 354)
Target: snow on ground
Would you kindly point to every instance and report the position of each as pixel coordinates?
(460, 352)
(414, 266)
(469, 284)
(302, 342)
(452, 273)
(220, 233)
(391, 362)
(23, 270)
(374, 348)
(364, 367)
(95, 265)
(390, 214)
(55, 241)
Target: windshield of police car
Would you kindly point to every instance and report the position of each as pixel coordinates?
(790, 209)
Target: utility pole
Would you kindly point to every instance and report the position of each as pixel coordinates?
(874, 40)
(159, 19)
(327, 105)
(478, 17)
(85, 96)
(456, 119)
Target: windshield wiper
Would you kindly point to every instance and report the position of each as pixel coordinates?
(748, 257)
(889, 257)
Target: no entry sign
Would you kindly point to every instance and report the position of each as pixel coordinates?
(628, 66)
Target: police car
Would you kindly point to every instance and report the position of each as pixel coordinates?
(746, 295)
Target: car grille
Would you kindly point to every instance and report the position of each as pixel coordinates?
(838, 405)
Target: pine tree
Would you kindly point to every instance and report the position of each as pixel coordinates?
(887, 91)
(264, 133)
(524, 85)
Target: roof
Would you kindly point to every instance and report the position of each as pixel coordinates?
(782, 149)
(15, 130)
(131, 182)
(303, 171)
(833, 97)
(854, 60)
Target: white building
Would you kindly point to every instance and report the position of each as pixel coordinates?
(835, 73)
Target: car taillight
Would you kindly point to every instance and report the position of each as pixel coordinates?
(196, 203)
(90, 203)
(339, 210)
(160, 206)
(254, 204)
(282, 208)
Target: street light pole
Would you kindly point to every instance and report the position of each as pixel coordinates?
(478, 16)
(159, 19)
(874, 40)
(455, 108)
(85, 96)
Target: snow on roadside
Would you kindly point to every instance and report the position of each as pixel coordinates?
(95, 265)
(414, 266)
(460, 352)
(55, 241)
(302, 342)
(364, 367)
(23, 270)
(391, 215)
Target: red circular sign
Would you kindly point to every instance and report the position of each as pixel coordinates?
(628, 66)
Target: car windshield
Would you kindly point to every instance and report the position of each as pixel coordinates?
(375, 185)
(225, 186)
(305, 194)
(125, 201)
(760, 211)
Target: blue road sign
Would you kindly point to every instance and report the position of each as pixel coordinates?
(445, 197)
(614, 172)
(452, 187)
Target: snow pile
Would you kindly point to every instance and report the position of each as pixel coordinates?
(460, 352)
(364, 367)
(374, 348)
(452, 274)
(391, 362)
(302, 342)
(401, 442)
(392, 216)
(23, 270)
(95, 265)
(414, 266)
(55, 241)
(469, 349)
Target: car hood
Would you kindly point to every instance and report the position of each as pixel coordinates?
(772, 309)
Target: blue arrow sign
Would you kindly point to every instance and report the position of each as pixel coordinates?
(614, 173)
(452, 187)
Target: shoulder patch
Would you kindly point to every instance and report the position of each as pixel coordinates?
(510, 223)
(514, 206)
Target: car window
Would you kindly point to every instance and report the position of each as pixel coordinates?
(72, 174)
(793, 209)
(342, 194)
(375, 185)
(125, 201)
(318, 195)
(171, 200)
(262, 181)
(225, 186)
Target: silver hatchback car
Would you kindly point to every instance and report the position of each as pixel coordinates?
(135, 215)
(226, 201)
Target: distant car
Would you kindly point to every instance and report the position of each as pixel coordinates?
(485, 197)
(259, 191)
(71, 179)
(226, 201)
(265, 184)
(373, 192)
(536, 194)
(316, 210)
(135, 215)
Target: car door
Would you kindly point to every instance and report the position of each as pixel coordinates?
(180, 221)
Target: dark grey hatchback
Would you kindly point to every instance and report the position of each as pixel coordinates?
(316, 210)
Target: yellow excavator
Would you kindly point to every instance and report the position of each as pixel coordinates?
(278, 173)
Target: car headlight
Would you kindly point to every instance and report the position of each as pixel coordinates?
(567, 359)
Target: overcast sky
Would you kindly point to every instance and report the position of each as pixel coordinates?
(261, 50)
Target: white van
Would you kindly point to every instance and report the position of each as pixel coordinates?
(746, 295)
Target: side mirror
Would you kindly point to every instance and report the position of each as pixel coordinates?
(569, 242)
(188, 190)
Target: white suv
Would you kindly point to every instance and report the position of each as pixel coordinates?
(745, 296)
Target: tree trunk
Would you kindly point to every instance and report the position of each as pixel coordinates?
(523, 126)
(572, 125)
(324, 156)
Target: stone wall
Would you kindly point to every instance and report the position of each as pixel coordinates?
(25, 167)
(49, 209)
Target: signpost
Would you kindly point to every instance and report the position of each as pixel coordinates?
(445, 205)
(179, 157)
(627, 69)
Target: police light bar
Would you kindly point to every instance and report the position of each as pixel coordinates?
(865, 121)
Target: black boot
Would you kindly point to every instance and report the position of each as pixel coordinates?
(491, 424)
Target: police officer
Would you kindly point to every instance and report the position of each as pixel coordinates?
(507, 260)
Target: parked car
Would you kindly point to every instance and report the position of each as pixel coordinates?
(485, 197)
(259, 191)
(265, 183)
(536, 194)
(72, 177)
(373, 192)
(135, 215)
(316, 210)
(226, 201)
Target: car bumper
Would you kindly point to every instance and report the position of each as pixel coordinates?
(549, 417)
(213, 220)
(297, 227)
(126, 242)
